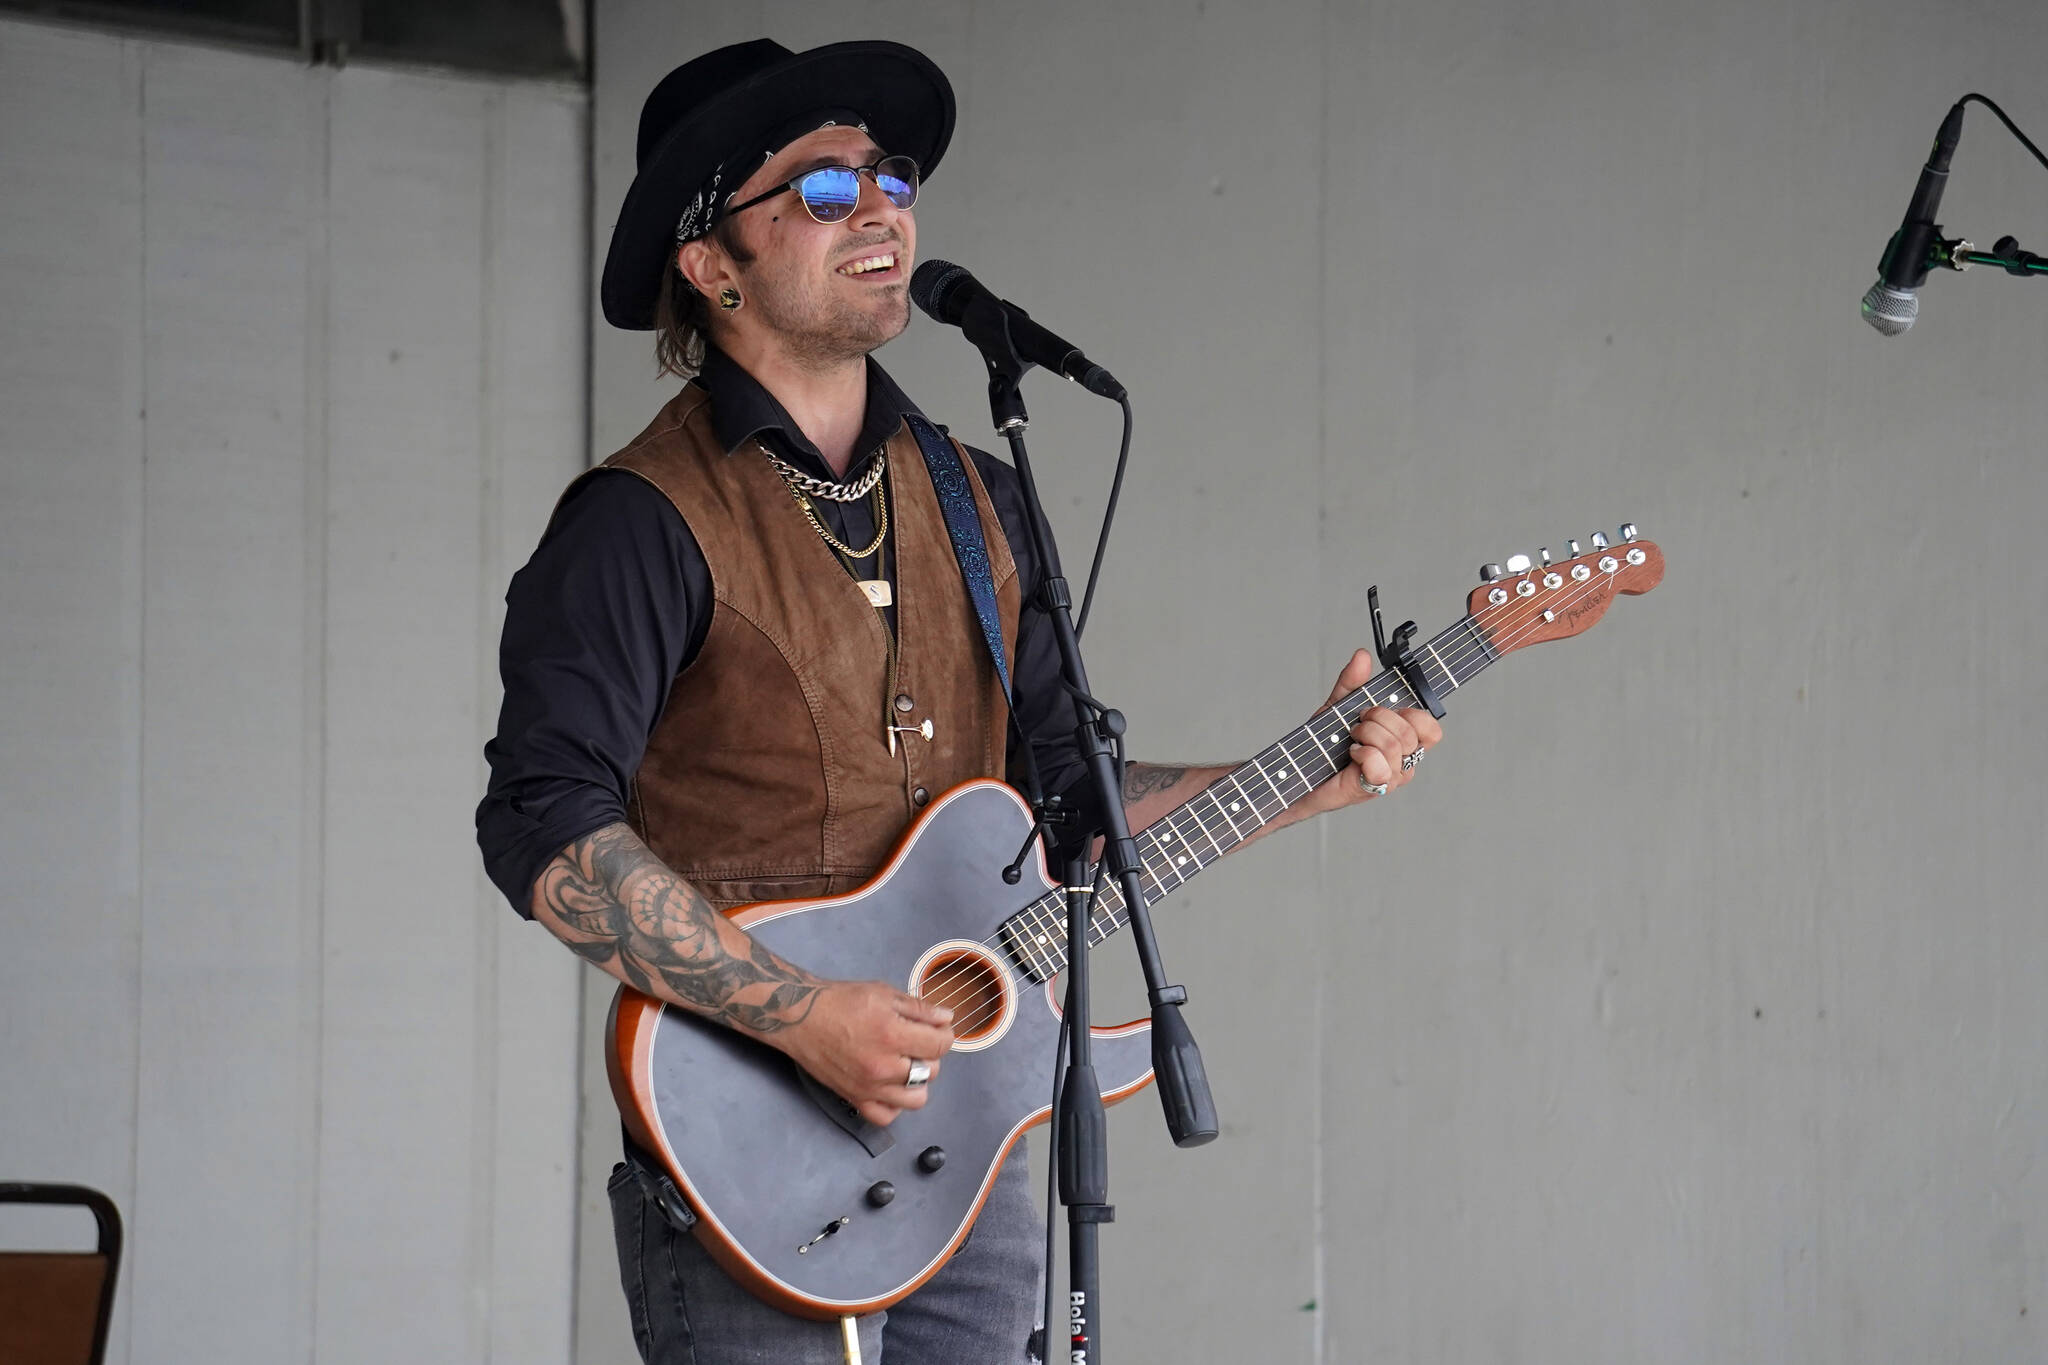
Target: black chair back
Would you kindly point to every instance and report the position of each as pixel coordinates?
(55, 1305)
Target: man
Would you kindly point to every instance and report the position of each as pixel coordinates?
(743, 657)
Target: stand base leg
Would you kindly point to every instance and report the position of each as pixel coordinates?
(849, 1330)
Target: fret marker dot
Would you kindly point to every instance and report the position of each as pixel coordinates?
(1043, 939)
(1282, 774)
(1180, 861)
(1335, 738)
(1167, 837)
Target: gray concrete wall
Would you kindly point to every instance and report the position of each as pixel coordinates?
(1685, 1010)
(291, 370)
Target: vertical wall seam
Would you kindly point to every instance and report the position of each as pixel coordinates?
(577, 1153)
(138, 54)
(484, 1171)
(313, 681)
(1319, 1320)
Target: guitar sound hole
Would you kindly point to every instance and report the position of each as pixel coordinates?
(970, 986)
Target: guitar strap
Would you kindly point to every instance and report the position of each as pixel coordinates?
(963, 526)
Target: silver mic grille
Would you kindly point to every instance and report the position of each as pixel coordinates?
(1891, 311)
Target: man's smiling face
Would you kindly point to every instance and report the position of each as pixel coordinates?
(824, 293)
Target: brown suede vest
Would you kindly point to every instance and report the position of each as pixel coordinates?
(769, 775)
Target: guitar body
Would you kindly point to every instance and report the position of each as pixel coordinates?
(767, 1159)
(770, 1161)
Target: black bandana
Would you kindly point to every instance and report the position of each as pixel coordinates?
(707, 206)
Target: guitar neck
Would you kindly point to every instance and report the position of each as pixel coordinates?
(1245, 800)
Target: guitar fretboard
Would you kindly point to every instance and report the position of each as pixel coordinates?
(1243, 801)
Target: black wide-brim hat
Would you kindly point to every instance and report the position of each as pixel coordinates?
(711, 108)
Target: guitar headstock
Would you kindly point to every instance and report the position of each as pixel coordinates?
(1526, 603)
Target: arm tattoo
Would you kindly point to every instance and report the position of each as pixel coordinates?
(1143, 779)
(612, 901)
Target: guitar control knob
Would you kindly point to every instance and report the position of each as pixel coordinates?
(1489, 572)
(930, 1159)
(880, 1193)
(1628, 530)
(1599, 540)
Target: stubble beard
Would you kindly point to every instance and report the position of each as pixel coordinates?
(821, 331)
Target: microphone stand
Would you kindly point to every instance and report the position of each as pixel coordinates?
(1082, 1142)
(2005, 253)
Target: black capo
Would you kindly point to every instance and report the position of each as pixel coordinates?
(1394, 654)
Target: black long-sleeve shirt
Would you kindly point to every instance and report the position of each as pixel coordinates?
(617, 600)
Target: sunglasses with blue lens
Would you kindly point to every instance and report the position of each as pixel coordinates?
(831, 193)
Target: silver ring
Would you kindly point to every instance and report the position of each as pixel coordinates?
(920, 1072)
(1372, 788)
(1408, 763)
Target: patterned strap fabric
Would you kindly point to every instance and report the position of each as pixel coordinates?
(963, 525)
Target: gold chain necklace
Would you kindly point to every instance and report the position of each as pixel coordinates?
(881, 517)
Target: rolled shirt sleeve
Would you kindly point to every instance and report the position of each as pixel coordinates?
(613, 603)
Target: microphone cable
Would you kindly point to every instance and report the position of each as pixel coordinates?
(2012, 127)
(1116, 488)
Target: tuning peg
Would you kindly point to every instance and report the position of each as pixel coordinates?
(1543, 554)
(1489, 572)
(1518, 563)
(1599, 540)
(1574, 548)
(1628, 530)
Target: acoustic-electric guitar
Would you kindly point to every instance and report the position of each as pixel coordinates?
(824, 1215)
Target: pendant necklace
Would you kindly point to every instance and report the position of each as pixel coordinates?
(803, 487)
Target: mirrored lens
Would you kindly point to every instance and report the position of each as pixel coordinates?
(897, 175)
(831, 193)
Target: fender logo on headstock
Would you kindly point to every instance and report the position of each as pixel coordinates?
(1591, 605)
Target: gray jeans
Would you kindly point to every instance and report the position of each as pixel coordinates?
(978, 1310)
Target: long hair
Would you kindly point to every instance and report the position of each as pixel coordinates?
(682, 316)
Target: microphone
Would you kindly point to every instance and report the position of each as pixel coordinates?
(1894, 301)
(952, 296)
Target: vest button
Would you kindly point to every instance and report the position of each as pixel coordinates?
(904, 703)
(919, 797)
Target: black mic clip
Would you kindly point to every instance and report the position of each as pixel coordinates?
(987, 324)
(1394, 654)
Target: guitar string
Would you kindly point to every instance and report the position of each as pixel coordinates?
(1117, 919)
(1476, 647)
(1042, 907)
